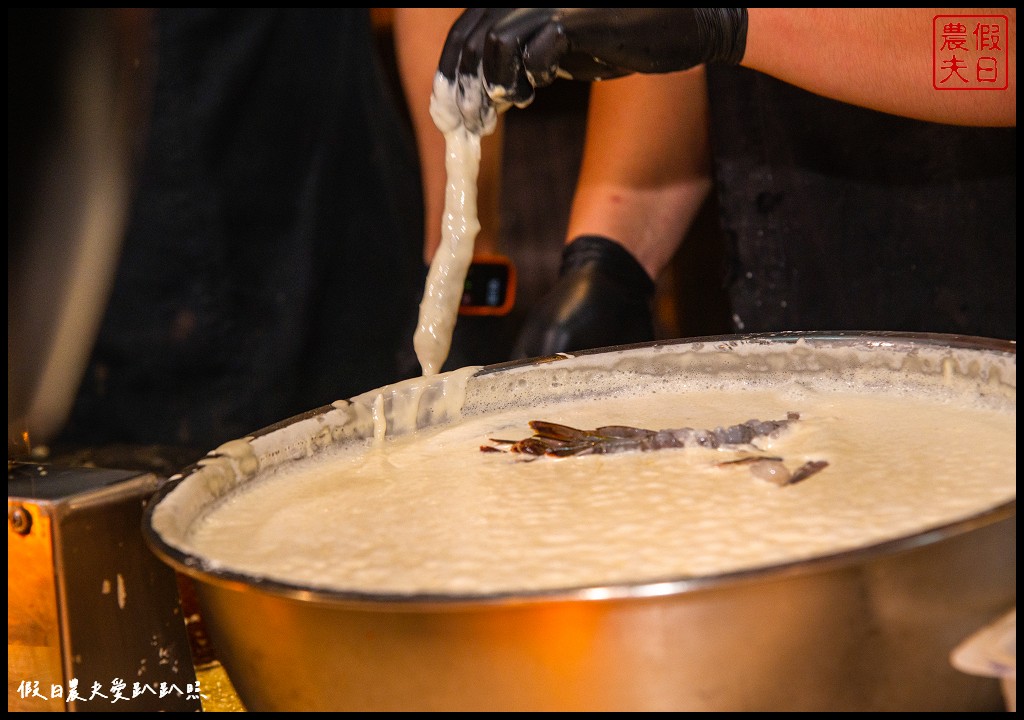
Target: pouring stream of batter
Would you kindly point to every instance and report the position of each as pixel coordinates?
(446, 279)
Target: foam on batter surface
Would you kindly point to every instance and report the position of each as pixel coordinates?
(428, 512)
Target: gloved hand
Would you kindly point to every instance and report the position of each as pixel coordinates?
(519, 49)
(602, 297)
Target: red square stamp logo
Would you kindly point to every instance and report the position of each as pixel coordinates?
(969, 52)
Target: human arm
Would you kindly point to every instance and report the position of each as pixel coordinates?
(879, 58)
(643, 179)
(875, 57)
(644, 175)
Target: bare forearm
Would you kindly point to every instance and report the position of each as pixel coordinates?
(880, 58)
(644, 174)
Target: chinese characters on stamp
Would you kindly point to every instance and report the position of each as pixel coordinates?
(969, 52)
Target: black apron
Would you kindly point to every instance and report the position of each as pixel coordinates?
(271, 260)
(837, 217)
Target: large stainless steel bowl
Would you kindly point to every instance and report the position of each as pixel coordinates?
(869, 629)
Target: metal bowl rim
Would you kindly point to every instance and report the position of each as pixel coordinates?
(198, 569)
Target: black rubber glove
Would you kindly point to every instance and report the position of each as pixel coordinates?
(602, 297)
(520, 49)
